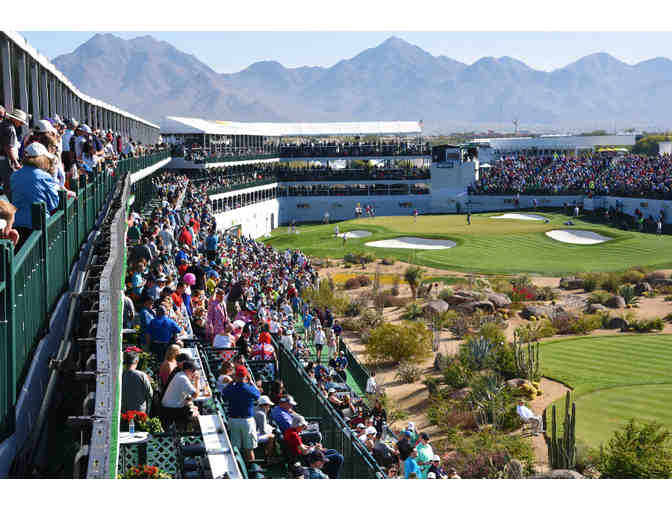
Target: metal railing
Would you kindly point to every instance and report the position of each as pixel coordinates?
(33, 279)
(358, 462)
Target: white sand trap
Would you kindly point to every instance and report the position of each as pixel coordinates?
(577, 236)
(355, 234)
(413, 243)
(517, 216)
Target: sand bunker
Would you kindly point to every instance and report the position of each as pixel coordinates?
(355, 234)
(577, 236)
(413, 243)
(518, 216)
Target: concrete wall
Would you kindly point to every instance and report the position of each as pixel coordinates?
(257, 219)
(648, 207)
(506, 202)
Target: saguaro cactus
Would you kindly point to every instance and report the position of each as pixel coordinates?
(562, 450)
(527, 359)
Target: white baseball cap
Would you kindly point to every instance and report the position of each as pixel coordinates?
(36, 149)
(264, 400)
(44, 126)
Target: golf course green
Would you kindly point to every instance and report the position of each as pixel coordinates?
(614, 378)
(490, 246)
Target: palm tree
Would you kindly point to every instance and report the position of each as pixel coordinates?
(413, 276)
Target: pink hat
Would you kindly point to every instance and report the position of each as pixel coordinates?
(189, 278)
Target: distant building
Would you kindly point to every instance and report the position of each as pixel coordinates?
(665, 148)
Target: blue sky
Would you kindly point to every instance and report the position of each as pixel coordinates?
(233, 51)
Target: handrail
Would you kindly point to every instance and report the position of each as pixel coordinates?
(33, 278)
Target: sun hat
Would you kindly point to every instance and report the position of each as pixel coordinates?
(44, 126)
(436, 458)
(19, 115)
(299, 421)
(288, 399)
(264, 401)
(36, 149)
(371, 430)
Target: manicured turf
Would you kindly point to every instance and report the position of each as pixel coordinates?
(614, 378)
(492, 246)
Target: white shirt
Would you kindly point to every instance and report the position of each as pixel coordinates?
(524, 412)
(178, 388)
(371, 385)
(319, 337)
(287, 341)
(222, 342)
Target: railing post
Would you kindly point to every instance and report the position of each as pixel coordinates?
(74, 184)
(39, 212)
(9, 323)
(63, 206)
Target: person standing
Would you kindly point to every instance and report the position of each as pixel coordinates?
(136, 390)
(9, 146)
(241, 396)
(411, 466)
(468, 217)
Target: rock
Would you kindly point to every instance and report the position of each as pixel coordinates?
(437, 306)
(465, 308)
(516, 383)
(596, 307)
(565, 474)
(618, 323)
(461, 296)
(387, 262)
(571, 283)
(536, 310)
(486, 306)
(615, 302)
(460, 394)
(317, 262)
(661, 282)
(499, 300)
(642, 287)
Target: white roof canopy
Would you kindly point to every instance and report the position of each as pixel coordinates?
(185, 125)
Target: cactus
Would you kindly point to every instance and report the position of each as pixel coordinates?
(478, 351)
(514, 469)
(562, 450)
(527, 363)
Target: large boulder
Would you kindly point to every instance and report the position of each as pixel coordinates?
(595, 308)
(485, 306)
(499, 300)
(437, 306)
(536, 310)
(461, 296)
(615, 302)
(661, 282)
(466, 308)
(643, 287)
(618, 323)
(516, 383)
(571, 283)
(559, 474)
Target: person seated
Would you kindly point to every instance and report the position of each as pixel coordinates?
(136, 388)
(178, 398)
(265, 434)
(528, 417)
(226, 371)
(384, 454)
(297, 471)
(297, 449)
(316, 461)
(436, 469)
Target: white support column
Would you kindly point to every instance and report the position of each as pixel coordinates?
(45, 95)
(6, 74)
(35, 110)
(23, 83)
(53, 109)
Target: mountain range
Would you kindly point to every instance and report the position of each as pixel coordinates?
(393, 81)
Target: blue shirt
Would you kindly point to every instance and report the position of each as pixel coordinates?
(146, 316)
(211, 242)
(241, 398)
(30, 184)
(307, 319)
(163, 329)
(282, 417)
(411, 466)
(342, 362)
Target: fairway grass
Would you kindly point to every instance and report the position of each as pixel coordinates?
(614, 378)
(487, 246)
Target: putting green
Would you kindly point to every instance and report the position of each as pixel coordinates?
(614, 378)
(489, 246)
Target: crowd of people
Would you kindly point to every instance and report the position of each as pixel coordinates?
(40, 159)
(352, 149)
(591, 174)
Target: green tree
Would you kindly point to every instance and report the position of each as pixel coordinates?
(408, 341)
(413, 276)
(648, 145)
(637, 451)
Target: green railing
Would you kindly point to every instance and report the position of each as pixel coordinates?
(358, 462)
(356, 369)
(33, 279)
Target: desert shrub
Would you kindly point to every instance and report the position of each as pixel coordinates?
(501, 285)
(655, 275)
(637, 450)
(522, 280)
(407, 373)
(546, 294)
(355, 307)
(352, 283)
(523, 293)
(664, 289)
(459, 326)
(585, 323)
(627, 292)
(492, 332)
(350, 258)
(611, 282)
(366, 257)
(413, 276)
(350, 324)
(370, 319)
(456, 375)
(532, 332)
(632, 276)
(397, 301)
(445, 293)
(409, 341)
(562, 323)
(432, 384)
(325, 296)
(474, 353)
(364, 281)
(423, 290)
(646, 325)
(599, 297)
(446, 414)
(590, 282)
(395, 285)
(412, 312)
